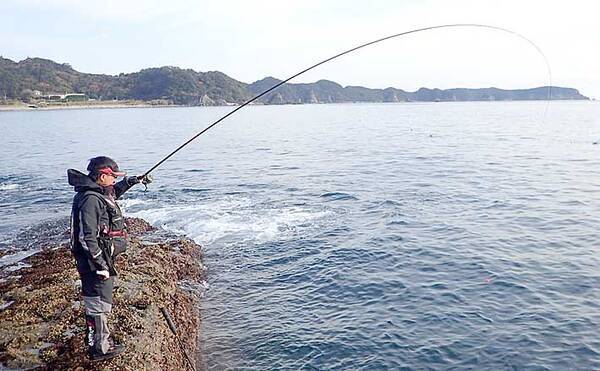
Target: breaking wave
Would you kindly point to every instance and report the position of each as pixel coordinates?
(236, 219)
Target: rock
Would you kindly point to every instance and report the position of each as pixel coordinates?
(43, 327)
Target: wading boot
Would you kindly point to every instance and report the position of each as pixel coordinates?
(100, 345)
(112, 352)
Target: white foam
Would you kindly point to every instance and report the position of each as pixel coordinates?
(129, 202)
(17, 266)
(3, 306)
(15, 258)
(8, 186)
(234, 219)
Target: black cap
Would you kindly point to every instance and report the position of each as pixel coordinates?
(103, 165)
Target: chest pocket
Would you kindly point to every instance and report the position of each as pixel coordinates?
(114, 234)
(115, 216)
(117, 232)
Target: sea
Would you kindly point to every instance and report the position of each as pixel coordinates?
(400, 236)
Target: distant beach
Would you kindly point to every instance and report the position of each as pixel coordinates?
(82, 105)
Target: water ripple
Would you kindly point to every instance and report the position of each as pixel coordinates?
(371, 236)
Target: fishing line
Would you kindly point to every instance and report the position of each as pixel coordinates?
(455, 25)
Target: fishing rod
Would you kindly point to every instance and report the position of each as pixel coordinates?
(455, 25)
(173, 329)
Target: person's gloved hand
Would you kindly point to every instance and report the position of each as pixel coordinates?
(145, 179)
(104, 275)
(132, 180)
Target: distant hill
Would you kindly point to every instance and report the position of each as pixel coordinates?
(324, 91)
(35, 78)
(172, 84)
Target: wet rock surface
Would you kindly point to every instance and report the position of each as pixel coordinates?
(42, 317)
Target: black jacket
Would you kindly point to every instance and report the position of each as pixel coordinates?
(90, 220)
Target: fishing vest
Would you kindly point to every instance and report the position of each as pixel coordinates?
(112, 234)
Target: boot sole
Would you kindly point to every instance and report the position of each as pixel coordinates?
(104, 357)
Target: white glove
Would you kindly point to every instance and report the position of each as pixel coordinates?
(103, 274)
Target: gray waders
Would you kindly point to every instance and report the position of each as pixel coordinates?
(97, 299)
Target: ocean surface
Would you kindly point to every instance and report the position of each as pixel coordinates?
(356, 236)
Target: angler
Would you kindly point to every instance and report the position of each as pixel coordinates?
(98, 231)
(98, 235)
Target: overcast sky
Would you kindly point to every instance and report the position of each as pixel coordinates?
(249, 40)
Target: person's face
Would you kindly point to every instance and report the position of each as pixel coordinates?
(106, 180)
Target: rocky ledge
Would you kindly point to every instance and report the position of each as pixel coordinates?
(41, 315)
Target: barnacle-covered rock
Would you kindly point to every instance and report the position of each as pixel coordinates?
(42, 319)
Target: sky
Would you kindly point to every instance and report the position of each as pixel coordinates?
(249, 40)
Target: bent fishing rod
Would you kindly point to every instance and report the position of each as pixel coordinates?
(455, 25)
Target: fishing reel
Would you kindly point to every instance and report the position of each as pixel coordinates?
(145, 180)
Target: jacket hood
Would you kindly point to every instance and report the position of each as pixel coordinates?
(81, 182)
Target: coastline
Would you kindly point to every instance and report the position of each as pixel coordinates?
(75, 106)
(41, 315)
(24, 107)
